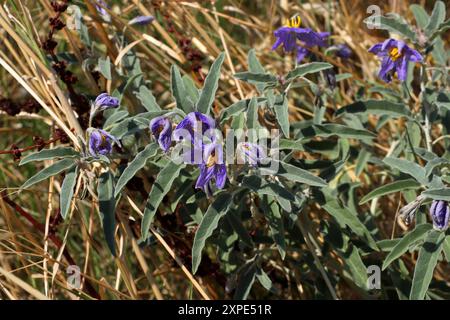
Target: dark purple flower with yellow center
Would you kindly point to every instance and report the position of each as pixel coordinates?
(141, 20)
(161, 128)
(440, 214)
(212, 168)
(395, 56)
(291, 32)
(105, 101)
(251, 153)
(101, 142)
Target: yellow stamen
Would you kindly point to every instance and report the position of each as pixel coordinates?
(104, 142)
(212, 160)
(394, 54)
(294, 22)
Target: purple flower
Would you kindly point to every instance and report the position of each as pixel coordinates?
(100, 8)
(193, 128)
(161, 128)
(395, 56)
(141, 20)
(343, 51)
(440, 214)
(101, 142)
(105, 101)
(290, 33)
(213, 167)
(251, 153)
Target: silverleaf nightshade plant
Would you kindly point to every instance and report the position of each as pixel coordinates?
(255, 220)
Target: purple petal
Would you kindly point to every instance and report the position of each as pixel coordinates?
(402, 68)
(221, 176)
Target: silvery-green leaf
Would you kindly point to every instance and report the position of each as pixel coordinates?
(179, 91)
(135, 165)
(408, 167)
(297, 174)
(389, 188)
(282, 114)
(246, 279)
(428, 258)
(377, 107)
(437, 17)
(147, 99)
(46, 173)
(107, 207)
(307, 68)
(160, 187)
(392, 24)
(420, 15)
(210, 86)
(48, 154)
(273, 216)
(419, 232)
(117, 116)
(252, 114)
(256, 77)
(104, 66)
(209, 223)
(67, 190)
(437, 194)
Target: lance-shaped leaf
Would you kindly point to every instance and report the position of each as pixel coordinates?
(115, 117)
(409, 239)
(273, 216)
(107, 207)
(437, 17)
(282, 114)
(421, 16)
(255, 66)
(67, 189)
(46, 173)
(134, 166)
(48, 154)
(392, 24)
(254, 77)
(252, 114)
(160, 187)
(208, 93)
(376, 107)
(437, 194)
(217, 209)
(307, 68)
(179, 93)
(297, 174)
(147, 99)
(389, 188)
(408, 167)
(246, 279)
(428, 258)
(345, 216)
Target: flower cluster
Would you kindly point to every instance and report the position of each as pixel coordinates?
(100, 141)
(208, 155)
